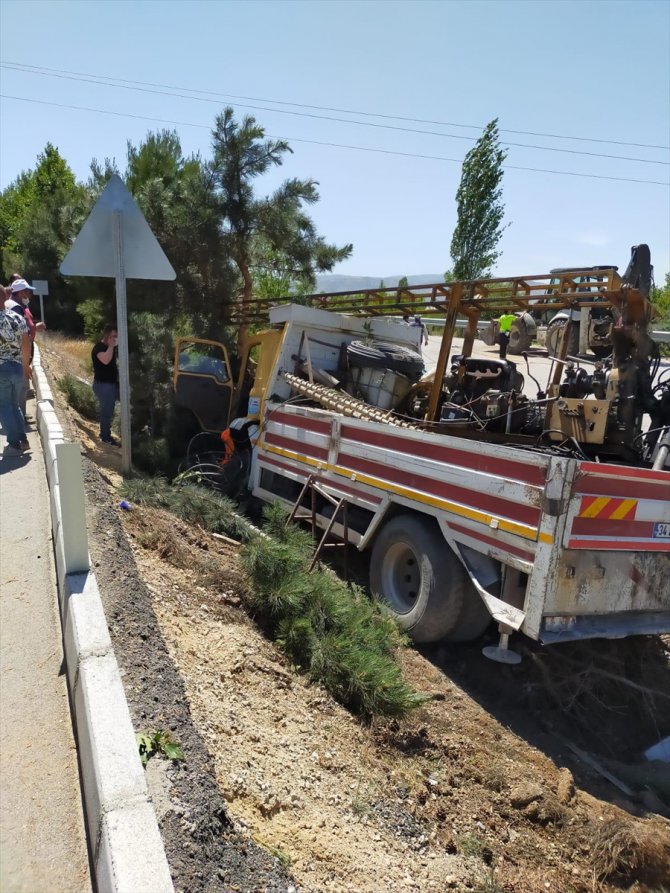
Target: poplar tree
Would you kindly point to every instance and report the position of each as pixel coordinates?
(480, 208)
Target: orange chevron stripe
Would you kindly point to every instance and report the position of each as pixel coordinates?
(608, 507)
(624, 511)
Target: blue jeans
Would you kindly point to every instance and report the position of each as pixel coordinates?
(107, 395)
(11, 388)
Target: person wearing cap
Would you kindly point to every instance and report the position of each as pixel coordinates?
(19, 302)
(14, 370)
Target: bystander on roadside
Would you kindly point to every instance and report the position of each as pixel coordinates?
(106, 381)
(14, 370)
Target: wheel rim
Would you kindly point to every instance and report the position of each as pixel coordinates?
(400, 577)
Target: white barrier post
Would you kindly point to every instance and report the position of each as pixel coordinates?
(73, 513)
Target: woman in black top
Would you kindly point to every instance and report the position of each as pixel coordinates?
(106, 380)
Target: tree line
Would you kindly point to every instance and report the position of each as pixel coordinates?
(225, 240)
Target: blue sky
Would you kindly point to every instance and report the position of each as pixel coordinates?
(584, 69)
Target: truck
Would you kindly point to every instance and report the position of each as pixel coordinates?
(479, 492)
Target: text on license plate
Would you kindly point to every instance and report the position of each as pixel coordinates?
(662, 530)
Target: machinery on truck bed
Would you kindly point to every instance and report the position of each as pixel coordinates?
(549, 513)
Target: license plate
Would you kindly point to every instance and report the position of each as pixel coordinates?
(661, 530)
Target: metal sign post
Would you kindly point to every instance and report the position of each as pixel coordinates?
(117, 243)
(41, 287)
(122, 331)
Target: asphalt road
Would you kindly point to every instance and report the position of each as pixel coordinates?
(42, 839)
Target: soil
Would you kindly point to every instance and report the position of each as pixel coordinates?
(282, 789)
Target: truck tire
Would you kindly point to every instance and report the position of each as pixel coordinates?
(384, 355)
(522, 334)
(554, 335)
(423, 584)
(489, 333)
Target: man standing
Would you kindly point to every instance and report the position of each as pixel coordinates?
(14, 370)
(417, 323)
(504, 328)
(106, 381)
(19, 302)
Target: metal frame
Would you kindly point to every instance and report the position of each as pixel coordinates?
(313, 486)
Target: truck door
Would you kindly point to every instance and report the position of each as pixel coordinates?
(203, 381)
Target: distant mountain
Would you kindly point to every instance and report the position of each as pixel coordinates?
(334, 282)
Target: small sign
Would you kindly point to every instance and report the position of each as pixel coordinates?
(41, 287)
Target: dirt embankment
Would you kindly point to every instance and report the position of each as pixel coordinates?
(282, 788)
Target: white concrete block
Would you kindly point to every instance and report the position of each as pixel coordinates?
(54, 504)
(111, 769)
(85, 627)
(41, 385)
(49, 450)
(49, 426)
(131, 857)
(73, 511)
(60, 575)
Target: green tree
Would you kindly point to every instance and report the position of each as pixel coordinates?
(250, 225)
(40, 213)
(480, 208)
(660, 298)
(403, 282)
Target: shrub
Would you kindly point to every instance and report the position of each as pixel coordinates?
(151, 454)
(333, 633)
(80, 396)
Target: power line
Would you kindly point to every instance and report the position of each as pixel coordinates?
(325, 108)
(95, 80)
(538, 170)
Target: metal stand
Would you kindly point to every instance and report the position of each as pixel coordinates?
(314, 488)
(502, 653)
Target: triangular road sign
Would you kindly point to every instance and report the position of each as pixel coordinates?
(93, 252)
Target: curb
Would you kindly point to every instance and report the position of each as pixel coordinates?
(125, 843)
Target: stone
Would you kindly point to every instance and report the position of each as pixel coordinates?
(525, 793)
(565, 790)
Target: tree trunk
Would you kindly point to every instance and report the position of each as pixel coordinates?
(247, 291)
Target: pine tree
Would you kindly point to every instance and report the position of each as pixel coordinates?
(251, 225)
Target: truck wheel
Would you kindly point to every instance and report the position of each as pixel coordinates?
(554, 335)
(424, 585)
(522, 334)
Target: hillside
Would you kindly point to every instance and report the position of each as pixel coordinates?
(334, 282)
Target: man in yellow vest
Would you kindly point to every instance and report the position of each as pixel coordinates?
(504, 329)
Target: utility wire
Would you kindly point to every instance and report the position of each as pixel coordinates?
(325, 108)
(292, 139)
(118, 86)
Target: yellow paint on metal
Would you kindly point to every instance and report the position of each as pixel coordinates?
(595, 507)
(529, 533)
(623, 509)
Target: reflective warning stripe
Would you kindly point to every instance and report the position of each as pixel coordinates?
(608, 507)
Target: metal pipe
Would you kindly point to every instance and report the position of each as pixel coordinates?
(663, 450)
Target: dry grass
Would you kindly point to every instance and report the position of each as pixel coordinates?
(628, 851)
(74, 353)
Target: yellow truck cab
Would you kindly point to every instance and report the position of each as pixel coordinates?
(214, 388)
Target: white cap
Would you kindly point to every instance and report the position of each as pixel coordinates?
(20, 285)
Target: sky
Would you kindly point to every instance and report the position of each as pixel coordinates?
(597, 71)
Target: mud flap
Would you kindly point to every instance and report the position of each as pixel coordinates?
(500, 610)
(487, 570)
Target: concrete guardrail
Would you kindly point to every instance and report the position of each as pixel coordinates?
(126, 846)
